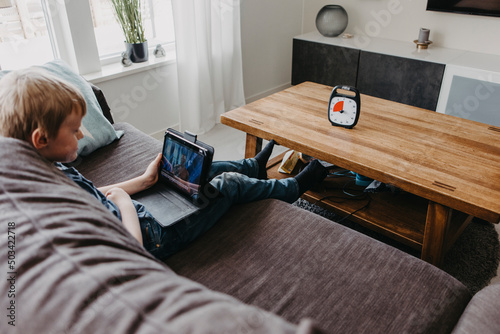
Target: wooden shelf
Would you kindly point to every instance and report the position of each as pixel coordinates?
(400, 215)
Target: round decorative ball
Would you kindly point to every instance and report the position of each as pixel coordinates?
(331, 20)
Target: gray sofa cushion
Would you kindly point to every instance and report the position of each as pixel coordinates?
(482, 315)
(77, 270)
(296, 264)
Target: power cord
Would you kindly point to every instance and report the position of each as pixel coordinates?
(349, 195)
(348, 183)
(352, 213)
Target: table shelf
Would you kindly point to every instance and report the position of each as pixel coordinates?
(400, 216)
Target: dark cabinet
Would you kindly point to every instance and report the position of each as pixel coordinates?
(323, 63)
(409, 81)
(398, 79)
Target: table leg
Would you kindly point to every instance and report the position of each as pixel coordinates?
(253, 146)
(436, 229)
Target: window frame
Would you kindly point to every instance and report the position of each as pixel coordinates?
(74, 36)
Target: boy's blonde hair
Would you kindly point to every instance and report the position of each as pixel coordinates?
(34, 98)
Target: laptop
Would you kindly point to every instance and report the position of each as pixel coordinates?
(182, 188)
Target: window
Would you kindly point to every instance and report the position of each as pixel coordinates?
(157, 15)
(36, 31)
(24, 36)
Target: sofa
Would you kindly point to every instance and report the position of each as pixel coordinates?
(266, 267)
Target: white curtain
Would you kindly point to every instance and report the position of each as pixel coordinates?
(209, 66)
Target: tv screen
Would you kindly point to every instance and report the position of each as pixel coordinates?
(476, 7)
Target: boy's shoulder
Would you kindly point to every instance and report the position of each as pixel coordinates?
(61, 166)
(71, 172)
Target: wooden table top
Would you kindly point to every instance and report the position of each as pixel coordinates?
(446, 159)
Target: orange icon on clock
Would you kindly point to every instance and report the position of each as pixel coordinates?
(339, 106)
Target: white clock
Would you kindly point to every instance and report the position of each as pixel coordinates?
(344, 106)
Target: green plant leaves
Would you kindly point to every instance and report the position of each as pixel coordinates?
(129, 15)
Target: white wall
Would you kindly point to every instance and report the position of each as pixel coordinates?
(148, 100)
(267, 30)
(402, 19)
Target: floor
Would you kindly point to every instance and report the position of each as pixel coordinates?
(229, 144)
(496, 279)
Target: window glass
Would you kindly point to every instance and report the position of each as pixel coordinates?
(157, 15)
(26, 31)
(24, 37)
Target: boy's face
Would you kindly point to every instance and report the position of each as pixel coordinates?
(63, 147)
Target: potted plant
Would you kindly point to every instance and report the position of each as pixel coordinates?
(129, 15)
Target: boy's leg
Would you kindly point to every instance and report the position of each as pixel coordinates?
(248, 167)
(238, 188)
(254, 167)
(234, 188)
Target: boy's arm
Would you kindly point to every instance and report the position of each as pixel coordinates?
(127, 211)
(139, 183)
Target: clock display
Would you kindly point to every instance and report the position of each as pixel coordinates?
(343, 109)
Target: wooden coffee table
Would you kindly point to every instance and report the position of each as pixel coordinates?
(447, 167)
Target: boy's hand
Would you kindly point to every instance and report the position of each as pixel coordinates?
(139, 183)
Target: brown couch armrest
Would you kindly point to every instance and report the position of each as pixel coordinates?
(106, 110)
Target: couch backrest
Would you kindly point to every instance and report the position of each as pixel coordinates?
(482, 315)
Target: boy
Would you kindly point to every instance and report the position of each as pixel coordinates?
(47, 112)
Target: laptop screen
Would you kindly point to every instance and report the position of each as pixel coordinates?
(182, 164)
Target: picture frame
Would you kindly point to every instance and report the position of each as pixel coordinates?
(470, 93)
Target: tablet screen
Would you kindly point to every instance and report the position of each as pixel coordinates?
(182, 164)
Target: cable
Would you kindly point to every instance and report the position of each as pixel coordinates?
(342, 173)
(352, 213)
(349, 196)
(363, 194)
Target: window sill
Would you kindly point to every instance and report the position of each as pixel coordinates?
(117, 70)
